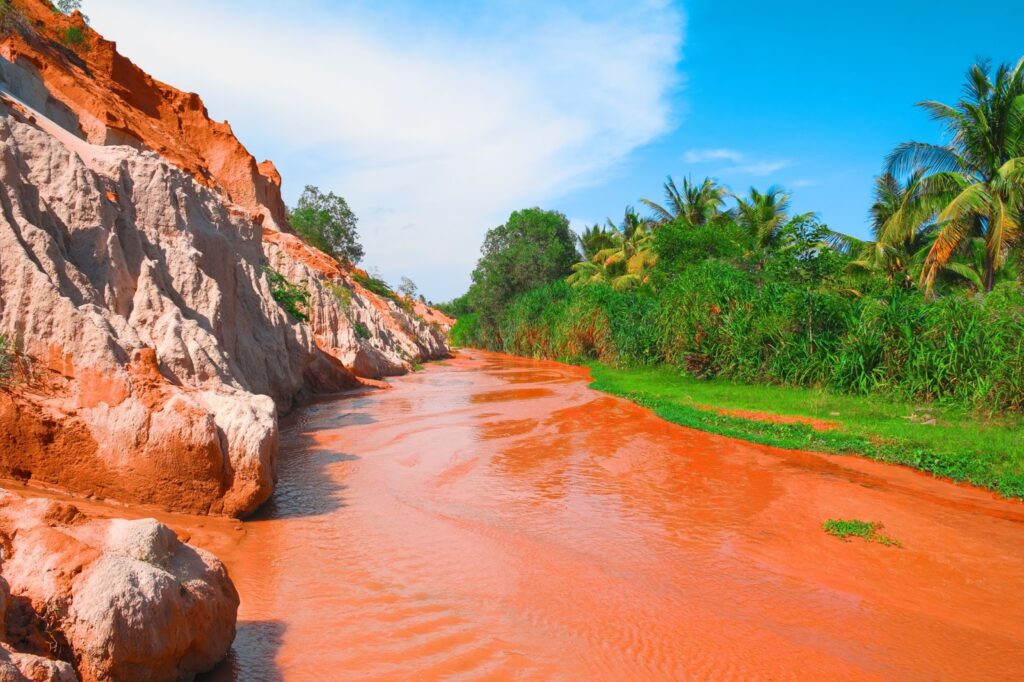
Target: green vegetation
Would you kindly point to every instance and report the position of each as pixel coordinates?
(378, 286)
(326, 222)
(67, 6)
(532, 248)
(943, 440)
(845, 528)
(361, 330)
(713, 291)
(342, 294)
(292, 297)
(6, 360)
(73, 37)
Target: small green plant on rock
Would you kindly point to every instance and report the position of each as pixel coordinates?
(292, 297)
(869, 530)
(6, 361)
(342, 294)
(362, 331)
(73, 37)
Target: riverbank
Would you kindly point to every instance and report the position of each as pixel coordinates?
(944, 441)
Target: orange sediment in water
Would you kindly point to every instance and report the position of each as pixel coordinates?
(493, 518)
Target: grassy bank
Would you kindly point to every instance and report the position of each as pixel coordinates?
(944, 441)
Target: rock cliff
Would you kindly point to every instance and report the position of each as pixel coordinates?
(143, 356)
(134, 231)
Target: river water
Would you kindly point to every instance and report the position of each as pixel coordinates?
(493, 518)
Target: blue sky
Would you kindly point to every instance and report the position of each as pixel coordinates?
(436, 120)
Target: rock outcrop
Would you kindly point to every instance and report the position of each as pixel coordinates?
(373, 335)
(150, 357)
(133, 235)
(158, 355)
(110, 598)
(102, 97)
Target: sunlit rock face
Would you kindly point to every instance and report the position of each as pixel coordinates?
(133, 240)
(158, 357)
(110, 598)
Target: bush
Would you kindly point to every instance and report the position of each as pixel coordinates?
(362, 331)
(73, 36)
(6, 360)
(466, 332)
(292, 297)
(381, 288)
(342, 294)
(717, 319)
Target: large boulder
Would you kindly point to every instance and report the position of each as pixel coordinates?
(118, 599)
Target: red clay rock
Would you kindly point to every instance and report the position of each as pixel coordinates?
(118, 103)
(122, 600)
(158, 356)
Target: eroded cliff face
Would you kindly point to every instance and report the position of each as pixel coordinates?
(373, 335)
(104, 98)
(101, 96)
(156, 356)
(133, 235)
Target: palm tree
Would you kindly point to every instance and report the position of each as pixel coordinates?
(901, 227)
(970, 265)
(763, 214)
(974, 186)
(624, 262)
(697, 204)
(595, 238)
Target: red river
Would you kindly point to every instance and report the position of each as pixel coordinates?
(493, 518)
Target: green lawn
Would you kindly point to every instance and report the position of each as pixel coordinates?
(945, 441)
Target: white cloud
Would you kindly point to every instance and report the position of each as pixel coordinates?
(742, 164)
(433, 128)
(759, 168)
(706, 155)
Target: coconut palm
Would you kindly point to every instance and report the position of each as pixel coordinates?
(624, 262)
(697, 204)
(969, 266)
(762, 214)
(901, 227)
(595, 238)
(973, 186)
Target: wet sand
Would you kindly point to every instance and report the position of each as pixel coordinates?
(493, 518)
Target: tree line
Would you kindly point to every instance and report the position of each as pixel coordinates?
(930, 306)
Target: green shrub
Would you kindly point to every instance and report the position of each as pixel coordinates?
(292, 297)
(6, 360)
(467, 332)
(361, 330)
(719, 319)
(342, 294)
(381, 288)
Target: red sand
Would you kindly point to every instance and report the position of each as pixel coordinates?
(493, 518)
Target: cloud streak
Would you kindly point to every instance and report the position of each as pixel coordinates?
(433, 129)
(742, 164)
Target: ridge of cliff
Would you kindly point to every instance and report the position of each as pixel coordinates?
(101, 96)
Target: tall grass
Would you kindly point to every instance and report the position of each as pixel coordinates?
(714, 319)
